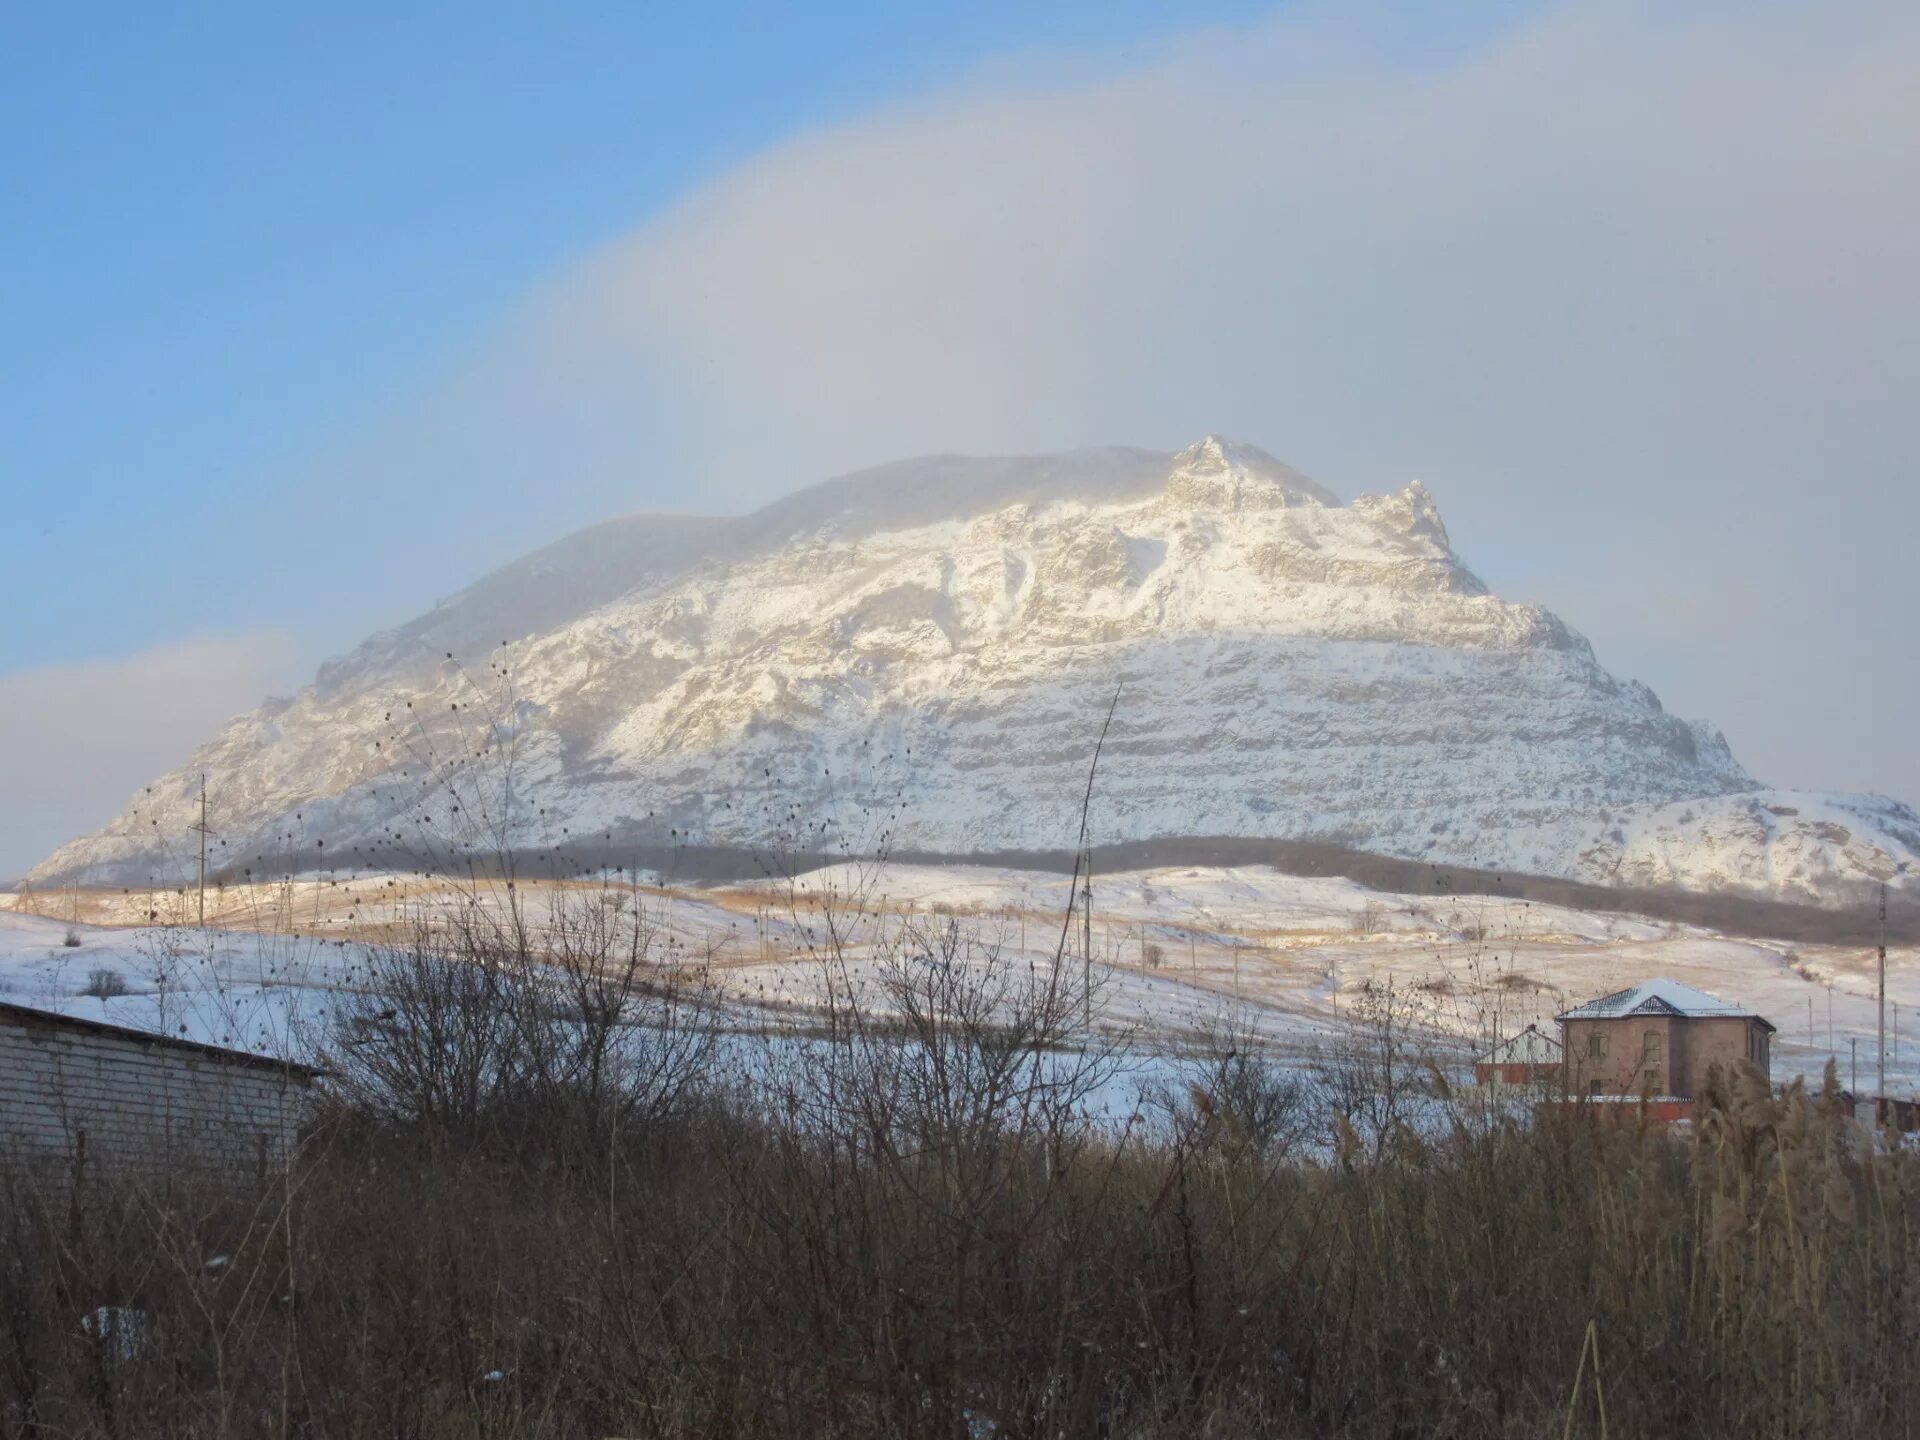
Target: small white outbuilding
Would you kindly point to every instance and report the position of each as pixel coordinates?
(78, 1093)
(1527, 1061)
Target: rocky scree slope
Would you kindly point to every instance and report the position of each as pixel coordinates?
(923, 655)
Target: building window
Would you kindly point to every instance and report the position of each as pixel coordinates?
(1597, 1045)
(1598, 1087)
(1650, 1045)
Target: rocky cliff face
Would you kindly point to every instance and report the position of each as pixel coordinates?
(928, 651)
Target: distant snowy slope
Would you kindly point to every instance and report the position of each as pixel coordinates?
(938, 642)
(268, 994)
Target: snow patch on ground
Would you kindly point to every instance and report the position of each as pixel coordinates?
(1181, 953)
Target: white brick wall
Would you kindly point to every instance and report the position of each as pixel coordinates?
(132, 1099)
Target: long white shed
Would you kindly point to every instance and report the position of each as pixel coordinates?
(80, 1092)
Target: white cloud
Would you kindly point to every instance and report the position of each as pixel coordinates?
(77, 740)
(1633, 286)
(1607, 207)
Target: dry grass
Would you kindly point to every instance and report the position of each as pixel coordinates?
(917, 1230)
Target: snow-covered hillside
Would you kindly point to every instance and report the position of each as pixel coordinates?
(1182, 953)
(928, 651)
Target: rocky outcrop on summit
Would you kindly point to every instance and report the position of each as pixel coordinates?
(929, 649)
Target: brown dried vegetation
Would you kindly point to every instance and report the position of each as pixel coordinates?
(585, 1206)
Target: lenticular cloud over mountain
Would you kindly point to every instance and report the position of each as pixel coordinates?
(922, 655)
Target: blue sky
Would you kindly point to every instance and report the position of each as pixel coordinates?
(310, 316)
(241, 232)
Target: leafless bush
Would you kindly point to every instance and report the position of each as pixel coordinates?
(104, 984)
(71, 939)
(1376, 1077)
(1232, 1094)
(896, 1242)
(481, 1019)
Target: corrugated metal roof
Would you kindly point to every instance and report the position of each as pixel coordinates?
(1661, 996)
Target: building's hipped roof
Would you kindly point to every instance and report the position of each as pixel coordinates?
(1661, 996)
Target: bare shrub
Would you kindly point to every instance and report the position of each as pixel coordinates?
(940, 1142)
(1236, 1095)
(104, 984)
(483, 1020)
(71, 939)
(1376, 1076)
(926, 1227)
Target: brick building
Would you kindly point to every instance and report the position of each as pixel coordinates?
(1658, 1038)
(75, 1091)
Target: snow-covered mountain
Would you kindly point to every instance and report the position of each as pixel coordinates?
(928, 651)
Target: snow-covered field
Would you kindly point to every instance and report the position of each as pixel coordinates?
(262, 992)
(1178, 952)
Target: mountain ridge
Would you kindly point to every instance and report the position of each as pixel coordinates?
(942, 635)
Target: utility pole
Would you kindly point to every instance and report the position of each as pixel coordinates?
(1853, 1062)
(201, 828)
(1087, 945)
(1883, 987)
